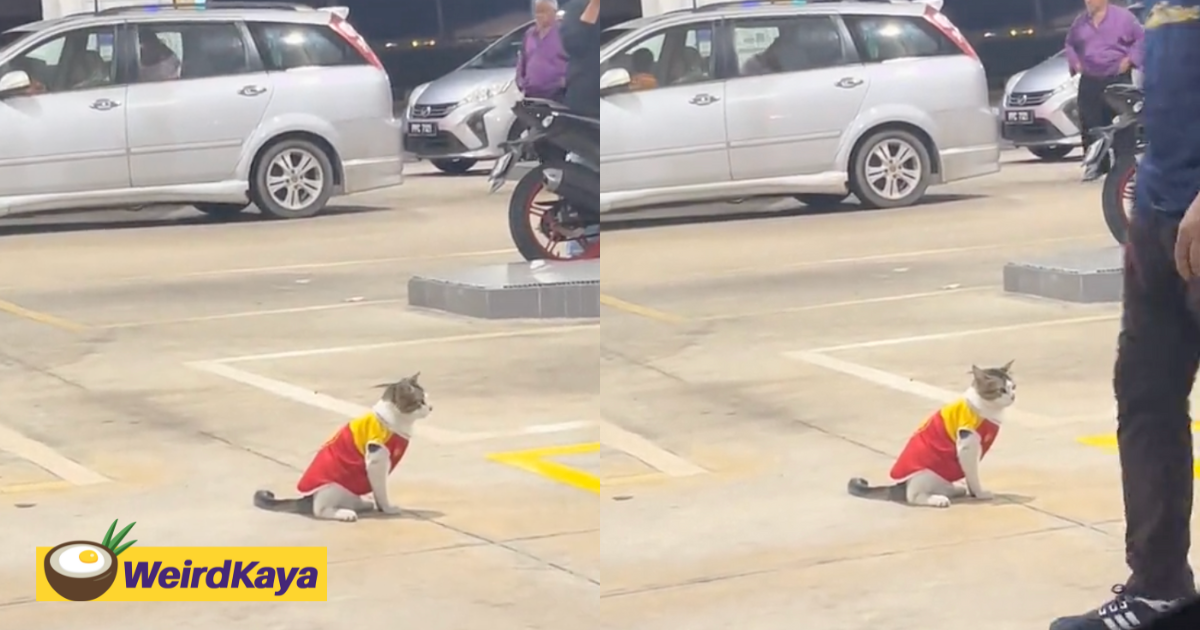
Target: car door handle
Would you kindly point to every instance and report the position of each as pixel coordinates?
(252, 90)
(849, 82)
(104, 104)
(703, 99)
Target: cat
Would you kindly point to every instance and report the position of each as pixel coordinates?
(948, 447)
(357, 459)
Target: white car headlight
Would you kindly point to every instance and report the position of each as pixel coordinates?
(1070, 85)
(414, 96)
(1012, 82)
(487, 92)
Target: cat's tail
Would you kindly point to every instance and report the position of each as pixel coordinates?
(265, 499)
(861, 488)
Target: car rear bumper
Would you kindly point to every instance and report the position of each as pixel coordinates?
(371, 174)
(966, 162)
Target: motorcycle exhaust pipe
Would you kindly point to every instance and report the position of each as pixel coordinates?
(575, 183)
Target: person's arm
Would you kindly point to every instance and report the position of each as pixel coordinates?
(1069, 48)
(1137, 35)
(579, 37)
(522, 57)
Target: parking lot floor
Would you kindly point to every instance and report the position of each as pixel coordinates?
(784, 354)
(160, 368)
(744, 369)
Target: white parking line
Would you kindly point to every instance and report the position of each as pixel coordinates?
(423, 341)
(41, 455)
(907, 385)
(648, 452)
(955, 334)
(348, 409)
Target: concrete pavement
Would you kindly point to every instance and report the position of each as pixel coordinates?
(161, 367)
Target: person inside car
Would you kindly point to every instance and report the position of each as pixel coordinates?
(642, 76)
(158, 62)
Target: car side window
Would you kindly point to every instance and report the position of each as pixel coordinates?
(290, 46)
(682, 55)
(79, 60)
(883, 38)
(196, 50)
(788, 44)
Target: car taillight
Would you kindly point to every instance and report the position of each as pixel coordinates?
(351, 35)
(943, 24)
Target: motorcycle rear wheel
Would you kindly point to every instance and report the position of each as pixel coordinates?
(527, 222)
(1117, 197)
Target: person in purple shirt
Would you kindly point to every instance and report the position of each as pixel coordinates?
(1103, 45)
(542, 66)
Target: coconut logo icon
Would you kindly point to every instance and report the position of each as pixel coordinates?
(81, 570)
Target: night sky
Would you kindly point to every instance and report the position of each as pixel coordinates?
(389, 18)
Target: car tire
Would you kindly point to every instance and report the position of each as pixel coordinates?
(457, 166)
(877, 188)
(222, 211)
(1050, 154)
(293, 179)
(822, 201)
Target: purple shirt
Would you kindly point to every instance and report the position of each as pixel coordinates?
(542, 67)
(1097, 50)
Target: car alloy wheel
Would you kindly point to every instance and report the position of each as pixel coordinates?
(893, 169)
(295, 179)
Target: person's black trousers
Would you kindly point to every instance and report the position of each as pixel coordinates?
(1158, 352)
(1094, 110)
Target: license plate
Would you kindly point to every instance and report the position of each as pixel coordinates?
(500, 171)
(422, 129)
(1020, 117)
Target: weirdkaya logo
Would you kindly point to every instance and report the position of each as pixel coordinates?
(83, 571)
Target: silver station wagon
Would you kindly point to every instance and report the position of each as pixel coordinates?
(282, 107)
(814, 99)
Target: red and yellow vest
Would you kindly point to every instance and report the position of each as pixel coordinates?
(934, 446)
(342, 459)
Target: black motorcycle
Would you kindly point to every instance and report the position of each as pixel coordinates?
(1119, 182)
(566, 227)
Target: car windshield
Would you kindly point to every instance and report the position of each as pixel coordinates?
(501, 54)
(9, 37)
(610, 34)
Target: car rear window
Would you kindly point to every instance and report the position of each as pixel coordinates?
(887, 37)
(287, 46)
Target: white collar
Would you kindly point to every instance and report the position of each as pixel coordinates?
(987, 410)
(390, 416)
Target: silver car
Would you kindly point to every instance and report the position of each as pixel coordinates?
(464, 116)
(816, 100)
(1039, 111)
(216, 108)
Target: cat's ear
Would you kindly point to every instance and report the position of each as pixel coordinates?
(978, 373)
(1008, 366)
(413, 379)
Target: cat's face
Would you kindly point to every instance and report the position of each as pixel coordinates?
(995, 385)
(408, 396)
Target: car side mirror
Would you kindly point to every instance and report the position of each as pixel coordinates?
(13, 83)
(614, 80)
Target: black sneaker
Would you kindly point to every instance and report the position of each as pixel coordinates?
(1123, 612)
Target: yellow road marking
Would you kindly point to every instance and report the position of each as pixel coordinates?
(639, 310)
(36, 486)
(537, 461)
(41, 318)
(1108, 442)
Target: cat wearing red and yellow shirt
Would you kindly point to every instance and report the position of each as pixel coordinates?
(357, 459)
(948, 447)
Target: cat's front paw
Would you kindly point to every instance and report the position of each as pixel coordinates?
(938, 501)
(346, 516)
(983, 495)
(389, 509)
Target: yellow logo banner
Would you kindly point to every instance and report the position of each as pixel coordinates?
(88, 571)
